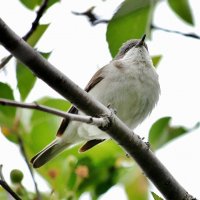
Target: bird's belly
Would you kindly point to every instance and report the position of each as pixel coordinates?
(131, 100)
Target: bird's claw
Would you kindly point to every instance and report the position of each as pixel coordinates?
(113, 110)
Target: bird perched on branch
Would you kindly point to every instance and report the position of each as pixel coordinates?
(129, 83)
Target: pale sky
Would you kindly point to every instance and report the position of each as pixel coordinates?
(78, 47)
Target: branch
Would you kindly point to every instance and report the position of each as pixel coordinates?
(192, 35)
(35, 23)
(101, 21)
(34, 26)
(22, 149)
(99, 122)
(5, 60)
(132, 143)
(6, 186)
(93, 19)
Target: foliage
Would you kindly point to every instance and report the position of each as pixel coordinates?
(182, 9)
(34, 3)
(25, 78)
(132, 20)
(155, 196)
(162, 132)
(96, 171)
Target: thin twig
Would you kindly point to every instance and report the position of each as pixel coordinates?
(23, 152)
(6, 186)
(34, 26)
(92, 18)
(35, 23)
(100, 122)
(89, 14)
(192, 35)
(5, 60)
(1, 173)
(101, 21)
(22, 149)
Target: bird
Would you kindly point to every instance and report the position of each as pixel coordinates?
(129, 84)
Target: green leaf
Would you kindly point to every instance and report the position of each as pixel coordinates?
(31, 4)
(37, 34)
(182, 9)
(137, 186)
(156, 197)
(156, 60)
(25, 80)
(45, 54)
(7, 113)
(131, 20)
(162, 132)
(3, 194)
(52, 2)
(44, 125)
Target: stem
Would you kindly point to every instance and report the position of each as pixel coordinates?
(35, 23)
(6, 186)
(192, 35)
(99, 122)
(22, 149)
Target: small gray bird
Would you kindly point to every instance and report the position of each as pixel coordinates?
(129, 83)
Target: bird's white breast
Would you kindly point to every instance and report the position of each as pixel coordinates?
(133, 91)
(130, 86)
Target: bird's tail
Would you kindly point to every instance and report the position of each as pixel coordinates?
(48, 153)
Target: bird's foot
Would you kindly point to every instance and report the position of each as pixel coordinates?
(108, 117)
(113, 110)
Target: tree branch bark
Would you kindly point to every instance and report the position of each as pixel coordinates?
(99, 122)
(132, 143)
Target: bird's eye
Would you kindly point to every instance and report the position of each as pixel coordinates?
(128, 47)
(126, 50)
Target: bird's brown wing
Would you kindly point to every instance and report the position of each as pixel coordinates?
(66, 121)
(89, 144)
(98, 76)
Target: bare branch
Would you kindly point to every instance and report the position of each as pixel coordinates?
(192, 35)
(1, 173)
(22, 149)
(101, 21)
(88, 13)
(99, 122)
(132, 143)
(5, 60)
(34, 26)
(93, 19)
(6, 186)
(35, 23)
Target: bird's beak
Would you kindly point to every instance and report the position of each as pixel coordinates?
(141, 42)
